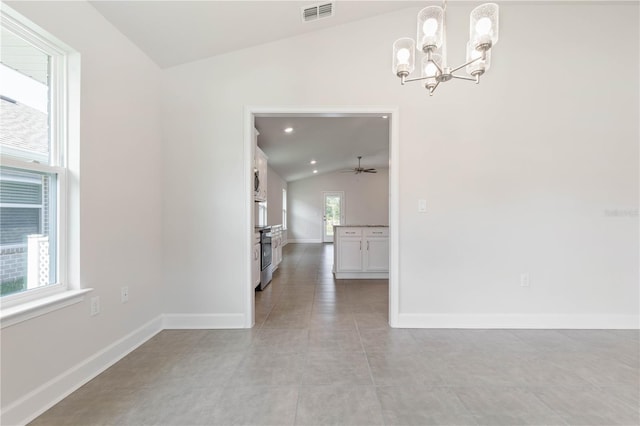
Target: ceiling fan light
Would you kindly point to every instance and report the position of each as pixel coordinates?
(483, 26)
(404, 56)
(430, 25)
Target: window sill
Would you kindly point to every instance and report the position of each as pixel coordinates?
(25, 311)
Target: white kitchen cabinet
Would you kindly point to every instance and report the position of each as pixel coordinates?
(276, 246)
(255, 260)
(349, 249)
(361, 252)
(377, 258)
(260, 175)
(377, 249)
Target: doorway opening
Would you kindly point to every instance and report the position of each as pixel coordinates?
(333, 207)
(389, 114)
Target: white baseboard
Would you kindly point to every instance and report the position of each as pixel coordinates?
(304, 241)
(55, 390)
(558, 321)
(203, 321)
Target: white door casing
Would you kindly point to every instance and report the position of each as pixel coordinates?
(394, 192)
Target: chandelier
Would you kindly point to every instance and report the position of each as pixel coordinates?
(432, 42)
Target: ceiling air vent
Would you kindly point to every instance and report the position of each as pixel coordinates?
(320, 11)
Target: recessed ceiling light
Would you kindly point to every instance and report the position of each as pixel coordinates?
(288, 130)
(312, 162)
(385, 116)
(315, 171)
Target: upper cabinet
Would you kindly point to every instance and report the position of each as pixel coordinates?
(259, 171)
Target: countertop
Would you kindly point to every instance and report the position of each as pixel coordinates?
(360, 226)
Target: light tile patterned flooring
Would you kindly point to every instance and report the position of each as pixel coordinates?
(321, 353)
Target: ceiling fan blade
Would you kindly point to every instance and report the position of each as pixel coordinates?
(370, 171)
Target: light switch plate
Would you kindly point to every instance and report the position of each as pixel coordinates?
(422, 206)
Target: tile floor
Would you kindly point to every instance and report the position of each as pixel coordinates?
(321, 353)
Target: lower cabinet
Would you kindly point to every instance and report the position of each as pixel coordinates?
(255, 262)
(350, 254)
(377, 255)
(276, 246)
(361, 252)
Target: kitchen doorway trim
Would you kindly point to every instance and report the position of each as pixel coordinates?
(250, 112)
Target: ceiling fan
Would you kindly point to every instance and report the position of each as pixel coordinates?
(359, 169)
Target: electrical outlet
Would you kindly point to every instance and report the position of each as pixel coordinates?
(95, 306)
(525, 280)
(124, 294)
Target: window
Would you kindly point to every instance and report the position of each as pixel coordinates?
(33, 164)
(262, 214)
(284, 209)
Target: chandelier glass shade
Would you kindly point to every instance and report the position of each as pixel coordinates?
(431, 43)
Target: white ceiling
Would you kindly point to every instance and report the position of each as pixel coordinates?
(334, 142)
(176, 32)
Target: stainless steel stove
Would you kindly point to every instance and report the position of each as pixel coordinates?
(265, 257)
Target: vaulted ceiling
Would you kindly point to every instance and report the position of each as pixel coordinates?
(333, 142)
(172, 33)
(176, 32)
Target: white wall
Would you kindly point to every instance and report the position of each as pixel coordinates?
(535, 169)
(517, 171)
(275, 185)
(366, 202)
(120, 214)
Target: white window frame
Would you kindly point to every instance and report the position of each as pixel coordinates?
(23, 206)
(284, 209)
(262, 214)
(25, 304)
